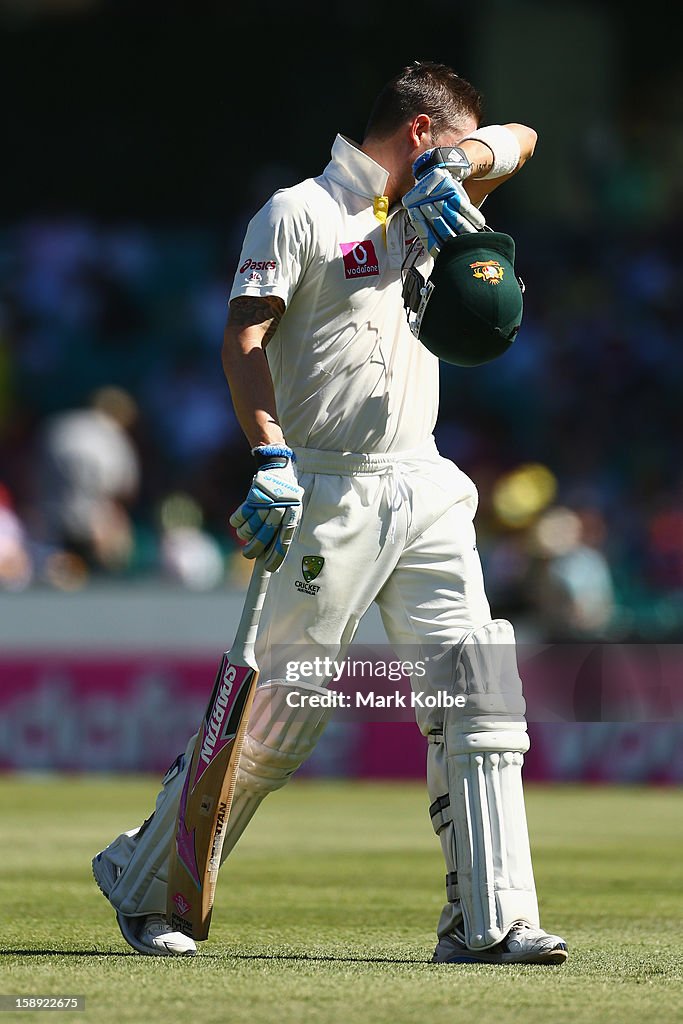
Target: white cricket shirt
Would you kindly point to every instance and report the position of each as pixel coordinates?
(348, 374)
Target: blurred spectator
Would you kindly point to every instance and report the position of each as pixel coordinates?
(569, 582)
(86, 477)
(664, 551)
(16, 567)
(189, 555)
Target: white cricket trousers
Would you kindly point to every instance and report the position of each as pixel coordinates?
(396, 529)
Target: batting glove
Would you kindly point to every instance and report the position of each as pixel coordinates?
(438, 206)
(268, 518)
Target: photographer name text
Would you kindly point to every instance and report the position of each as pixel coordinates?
(335, 699)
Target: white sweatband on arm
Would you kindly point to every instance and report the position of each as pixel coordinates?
(504, 146)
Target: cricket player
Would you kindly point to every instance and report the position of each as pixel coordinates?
(351, 503)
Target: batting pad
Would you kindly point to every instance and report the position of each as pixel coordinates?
(277, 742)
(474, 774)
(141, 888)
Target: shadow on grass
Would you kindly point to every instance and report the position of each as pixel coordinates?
(321, 958)
(63, 952)
(293, 957)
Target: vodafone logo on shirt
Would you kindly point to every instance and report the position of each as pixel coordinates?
(360, 259)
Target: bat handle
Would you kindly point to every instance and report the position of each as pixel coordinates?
(245, 638)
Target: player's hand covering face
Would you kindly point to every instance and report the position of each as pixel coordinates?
(438, 206)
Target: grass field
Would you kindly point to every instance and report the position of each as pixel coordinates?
(325, 913)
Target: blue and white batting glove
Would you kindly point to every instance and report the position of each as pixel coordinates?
(268, 518)
(438, 206)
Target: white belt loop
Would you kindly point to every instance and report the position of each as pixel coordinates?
(399, 494)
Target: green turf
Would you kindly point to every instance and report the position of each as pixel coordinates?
(326, 911)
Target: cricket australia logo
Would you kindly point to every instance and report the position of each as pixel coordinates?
(311, 567)
(489, 271)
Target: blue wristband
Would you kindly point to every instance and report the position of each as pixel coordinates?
(281, 450)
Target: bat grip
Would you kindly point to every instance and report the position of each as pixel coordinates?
(245, 636)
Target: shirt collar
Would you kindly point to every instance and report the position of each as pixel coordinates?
(355, 170)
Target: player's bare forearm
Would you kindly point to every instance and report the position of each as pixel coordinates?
(481, 159)
(252, 321)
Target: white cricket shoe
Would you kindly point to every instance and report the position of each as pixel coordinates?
(150, 934)
(153, 936)
(523, 944)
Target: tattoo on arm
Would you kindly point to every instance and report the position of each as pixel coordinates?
(252, 311)
(478, 169)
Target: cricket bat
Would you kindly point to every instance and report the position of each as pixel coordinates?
(210, 782)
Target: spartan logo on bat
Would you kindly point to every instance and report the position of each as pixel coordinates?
(489, 271)
(181, 903)
(311, 567)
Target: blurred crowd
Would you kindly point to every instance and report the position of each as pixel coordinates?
(121, 458)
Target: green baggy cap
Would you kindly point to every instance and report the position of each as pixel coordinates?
(475, 304)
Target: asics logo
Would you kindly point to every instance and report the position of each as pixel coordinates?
(257, 265)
